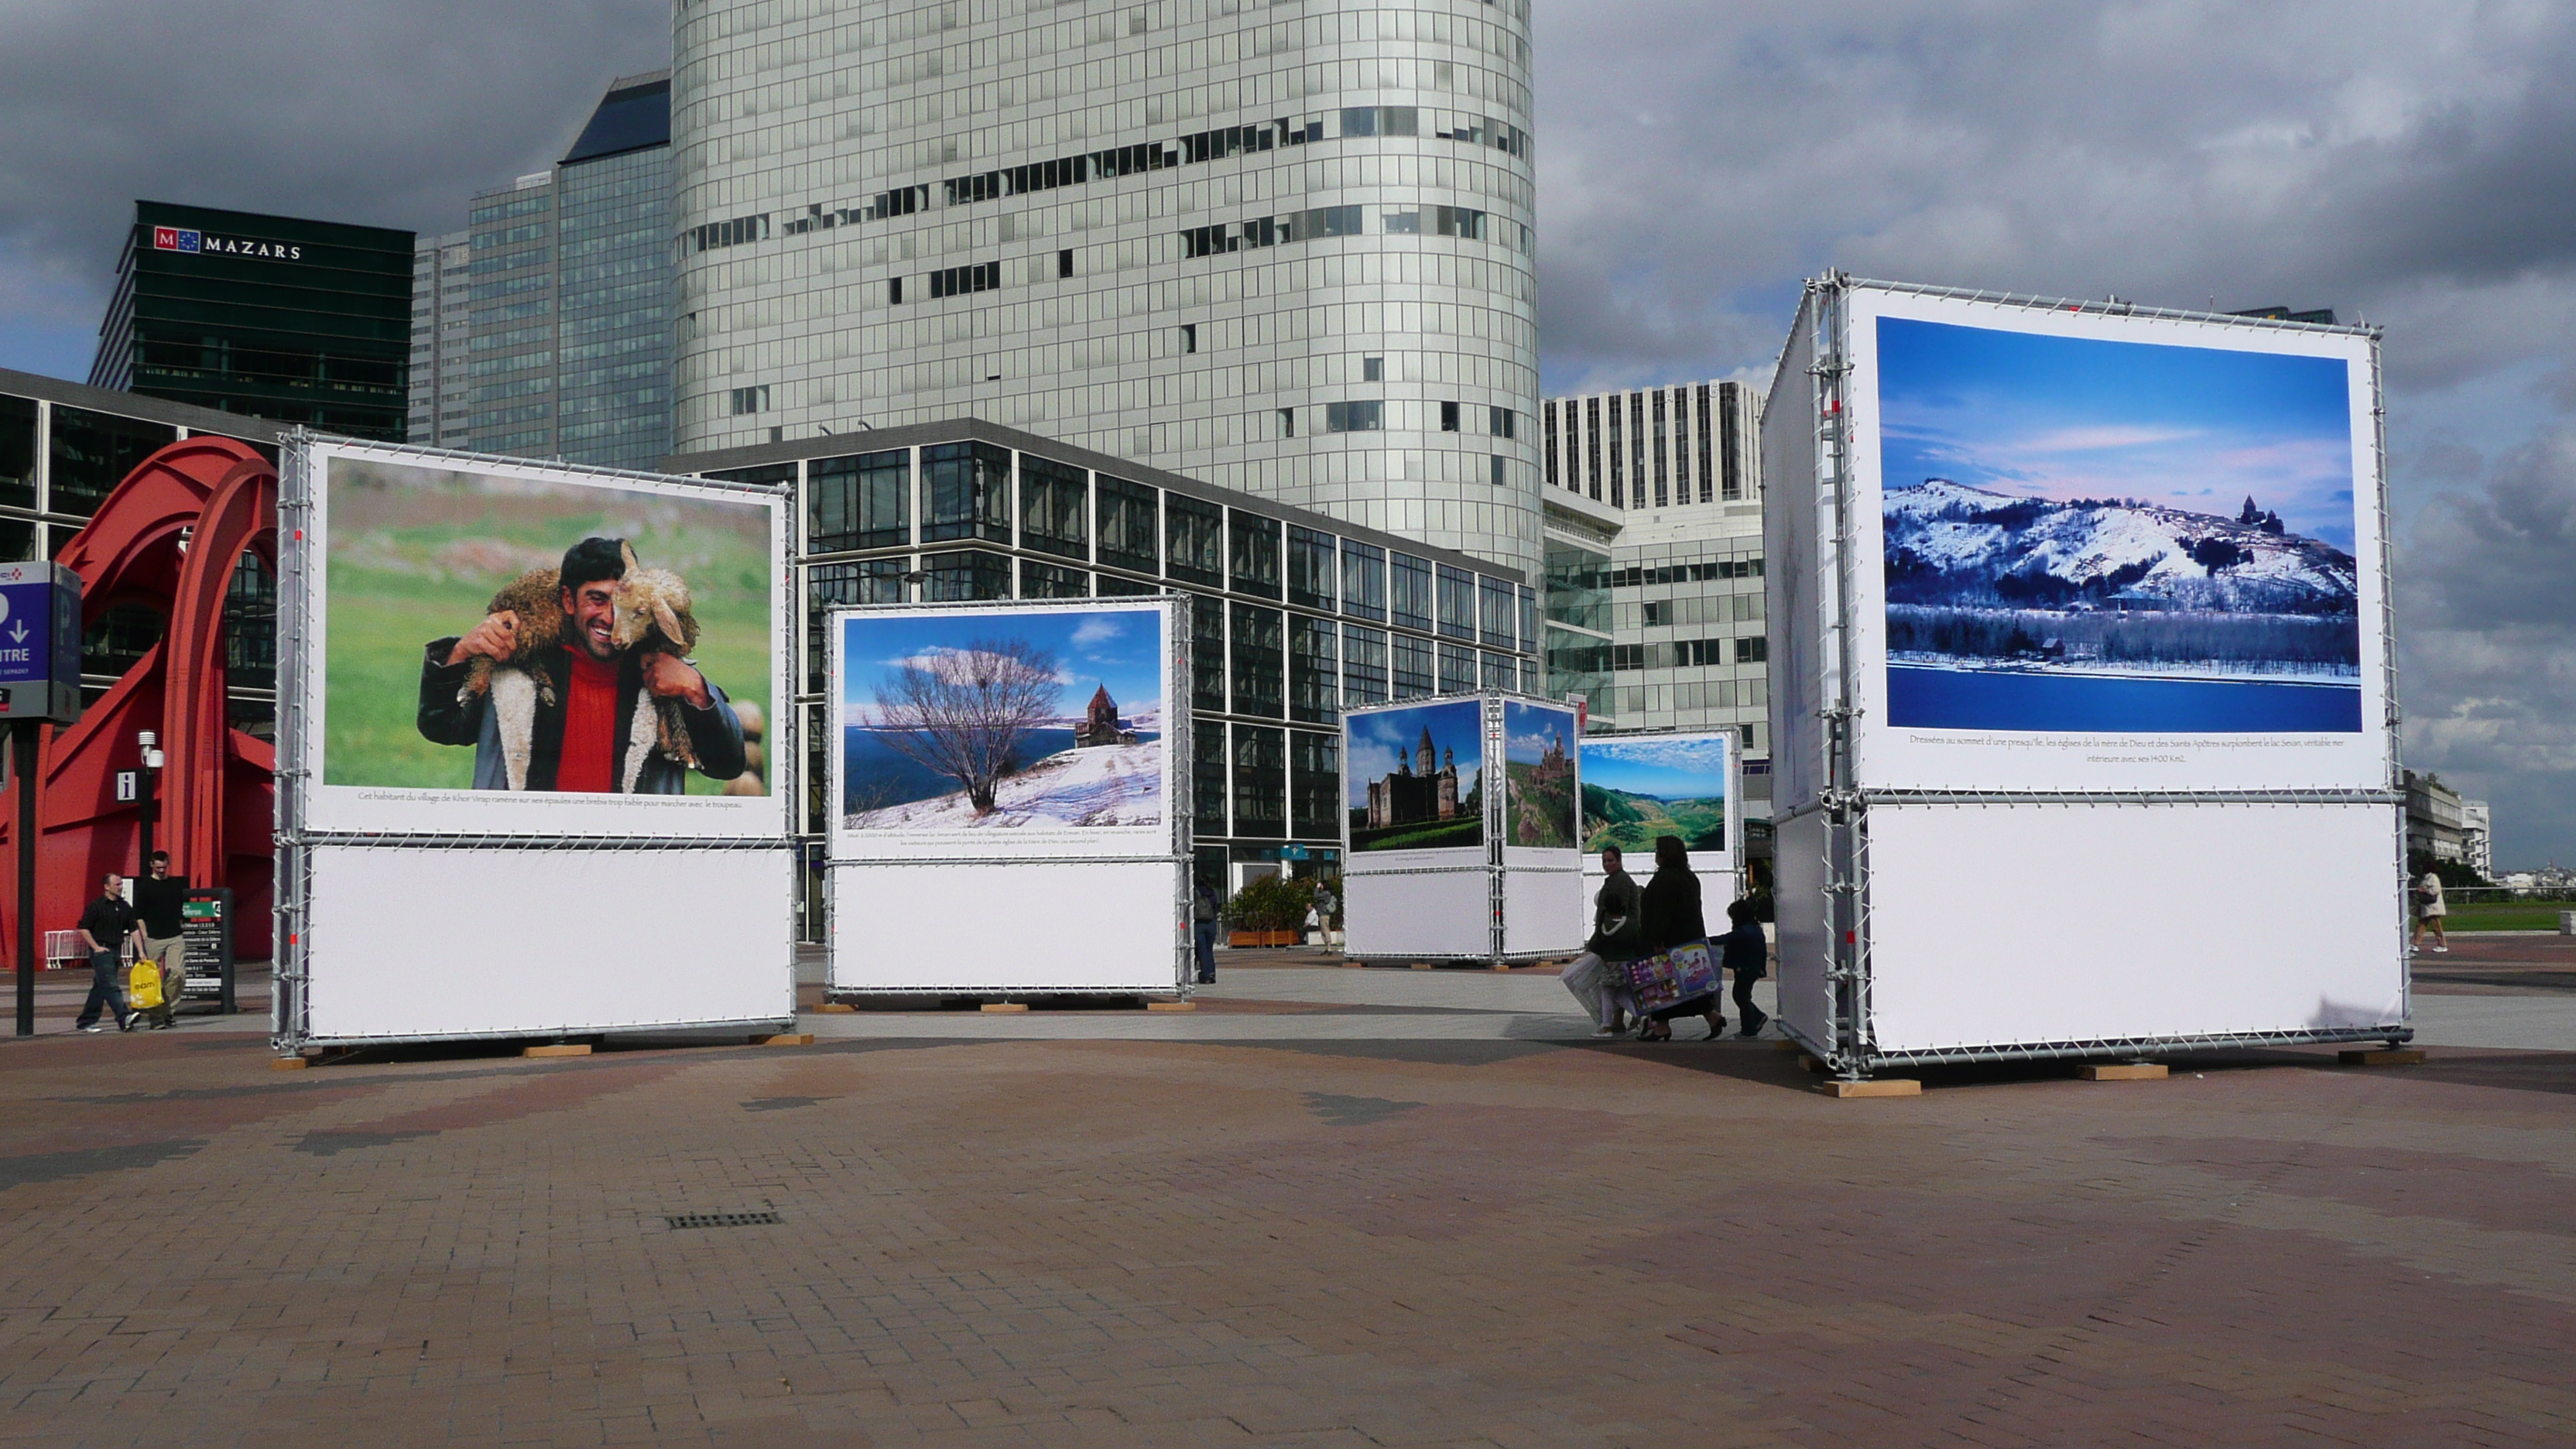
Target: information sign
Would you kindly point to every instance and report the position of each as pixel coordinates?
(40, 646)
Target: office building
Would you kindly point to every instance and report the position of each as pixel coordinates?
(1653, 600)
(2436, 820)
(544, 328)
(63, 448)
(272, 317)
(1292, 612)
(1284, 249)
(2477, 838)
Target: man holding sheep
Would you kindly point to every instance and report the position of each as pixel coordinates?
(580, 730)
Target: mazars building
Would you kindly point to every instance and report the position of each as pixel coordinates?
(1285, 249)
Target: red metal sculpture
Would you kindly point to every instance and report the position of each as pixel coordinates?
(168, 538)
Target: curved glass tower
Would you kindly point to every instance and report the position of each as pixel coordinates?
(1281, 247)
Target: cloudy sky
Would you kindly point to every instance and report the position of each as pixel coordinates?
(2412, 164)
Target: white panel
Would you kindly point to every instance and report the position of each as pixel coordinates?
(1007, 926)
(1437, 914)
(1803, 930)
(1797, 571)
(430, 942)
(1543, 912)
(2039, 923)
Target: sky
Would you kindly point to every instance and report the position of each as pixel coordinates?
(2412, 165)
(2195, 428)
(1683, 767)
(1120, 649)
(1385, 738)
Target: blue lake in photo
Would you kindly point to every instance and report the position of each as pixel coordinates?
(1979, 699)
(867, 760)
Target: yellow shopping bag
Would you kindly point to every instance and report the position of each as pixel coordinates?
(143, 988)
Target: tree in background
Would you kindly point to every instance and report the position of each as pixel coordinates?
(963, 712)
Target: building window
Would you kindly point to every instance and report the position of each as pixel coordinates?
(1310, 568)
(1502, 671)
(1260, 661)
(1663, 485)
(1618, 460)
(1260, 782)
(1412, 592)
(751, 399)
(1528, 611)
(1729, 447)
(1287, 422)
(1064, 263)
(1111, 586)
(1051, 507)
(1189, 337)
(1752, 651)
(1457, 669)
(965, 574)
(1372, 369)
(1363, 580)
(967, 488)
(1207, 779)
(1255, 553)
(91, 453)
(1052, 581)
(1448, 417)
(1547, 420)
(894, 291)
(1194, 540)
(1207, 654)
(959, 281)
(1592, 444)
(1354, 417)
(1502, 422)
(1414, 676)
(1457, 603)
(1497, 470)
(1363, 664)
(18, 453)
(1313, 692)
(1125, 514)
(1314, 785)
(861, 502)
(1495, 607)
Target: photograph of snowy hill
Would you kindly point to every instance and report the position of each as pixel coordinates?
(1002, 720)
(2089, 535)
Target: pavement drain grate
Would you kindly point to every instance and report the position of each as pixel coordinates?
(721, 1220)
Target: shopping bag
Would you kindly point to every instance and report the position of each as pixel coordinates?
(143, 988)
(1673, 976)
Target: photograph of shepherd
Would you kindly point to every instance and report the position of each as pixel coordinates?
(577, 680)
(1638, 787)
(1415, 777)
(959, 721)
(2092, 535)
(1538, 776)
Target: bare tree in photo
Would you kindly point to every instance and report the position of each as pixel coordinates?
(962, 713)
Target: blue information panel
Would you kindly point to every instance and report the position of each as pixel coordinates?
(40, 642)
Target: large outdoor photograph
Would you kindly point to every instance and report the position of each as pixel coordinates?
(1025, 720)
(1414, 777)
(1645, 786)
(495, 631)
(2099, 536)
(1538, 776)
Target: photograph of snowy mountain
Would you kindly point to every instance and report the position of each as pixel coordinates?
(2091, 535)
(1002, 720)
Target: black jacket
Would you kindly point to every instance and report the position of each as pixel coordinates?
(1671, 910)
(1616, 902)
(714, 732)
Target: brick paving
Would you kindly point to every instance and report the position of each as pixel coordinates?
(1380, 1241)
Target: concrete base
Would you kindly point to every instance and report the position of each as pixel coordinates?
(560, 1049)
(2384, 1057)
(2123, 1072)
(1881, 1087)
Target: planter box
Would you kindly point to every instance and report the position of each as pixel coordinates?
(1262, 938)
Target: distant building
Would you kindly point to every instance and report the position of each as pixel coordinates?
(1102, 725)
(2477, 840)
(2436, 823)
(271, 317)
(544, 328)
(1410, 794)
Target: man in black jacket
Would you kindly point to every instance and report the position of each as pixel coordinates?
(104, 925)
(584, 732)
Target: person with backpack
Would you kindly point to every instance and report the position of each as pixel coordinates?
(1745, 953)
(1203, 913)
(1599, 977)
(2430, 911)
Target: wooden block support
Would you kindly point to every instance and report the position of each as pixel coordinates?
(1502, 966)
(835, 1007)
(1811, 1064)
(1425, 966)
(1006, 1006)
(1880, 1087)
(785, 1038)
(2123, 1072)
(2387, 1057)
(288, 1064)
(1786, 1044)
(559, 1049)
(1171, 1006)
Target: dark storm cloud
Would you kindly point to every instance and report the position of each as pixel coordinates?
(356, 110)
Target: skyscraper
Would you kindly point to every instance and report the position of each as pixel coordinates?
(545, 328)
(1284, 248)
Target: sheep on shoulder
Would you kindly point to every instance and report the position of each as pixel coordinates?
(530, 608)
(651, 615)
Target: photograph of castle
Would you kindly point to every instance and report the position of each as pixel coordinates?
(1415, 777)
(2101, 536)
(1539, 802)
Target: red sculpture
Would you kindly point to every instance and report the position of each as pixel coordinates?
(168, 538)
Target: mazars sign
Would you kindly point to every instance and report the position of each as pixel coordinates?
(184, 239)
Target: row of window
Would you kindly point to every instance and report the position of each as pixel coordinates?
(1715, 569)
(1464, 223)
(1278, 782)
(1688, 654)
(734, 233)
(1643, 453)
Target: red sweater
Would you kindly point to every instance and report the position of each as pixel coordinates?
(590, 728)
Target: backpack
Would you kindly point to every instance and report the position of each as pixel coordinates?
(143, 988)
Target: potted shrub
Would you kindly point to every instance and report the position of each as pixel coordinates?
(1267, 912)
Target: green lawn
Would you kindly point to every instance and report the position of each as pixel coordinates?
(2507, 915)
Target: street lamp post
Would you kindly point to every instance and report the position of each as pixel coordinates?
(144, 741)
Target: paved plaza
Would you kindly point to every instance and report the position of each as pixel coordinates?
(1331, 1207)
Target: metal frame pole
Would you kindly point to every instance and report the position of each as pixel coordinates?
(22, 736)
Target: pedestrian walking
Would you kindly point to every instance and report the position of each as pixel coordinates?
(1670, 909)
(2429, 911)
(104, 927)
(1203, 912)
(1325, 905)
(161, 903)
(1599, 977)
(1746, 955)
